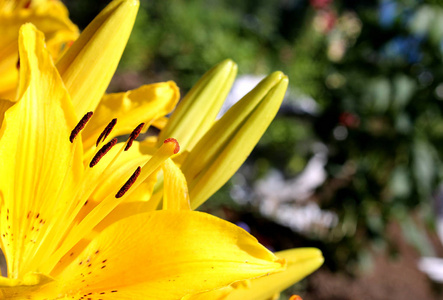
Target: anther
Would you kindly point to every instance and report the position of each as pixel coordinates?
(177, 146)
(81, 124)
(102, 152)
(134, 135)
(128, 183)
(106, 131)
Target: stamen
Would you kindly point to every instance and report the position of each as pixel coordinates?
(134, 135)
(81, 124)
(128, 183)
(27, 4)
(102, 152)
(177, 146)
(106, 131)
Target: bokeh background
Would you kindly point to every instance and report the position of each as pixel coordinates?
(353, 162)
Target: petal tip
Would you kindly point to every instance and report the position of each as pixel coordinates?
(278, 76)
(228, 63)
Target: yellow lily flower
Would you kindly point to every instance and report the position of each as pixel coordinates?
(49, 16)
(53, 252)
(94, 214)
(301, 262)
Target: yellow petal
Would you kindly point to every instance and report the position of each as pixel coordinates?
(175, 189)
(300, 263)
(160, 123)
(89, 64)
(196, 113)
(24, 145)
(222, 150)
(107, 205)
(145, 104)
(51, 17)
(162, 255)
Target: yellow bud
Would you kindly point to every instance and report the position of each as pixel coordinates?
(222, 150)
(88, 66)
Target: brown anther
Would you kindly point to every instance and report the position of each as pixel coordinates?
(27, 4)
(106, 131)
(81, 124)
(102, 152)
(134, 134)
(128, 183)
(177, 146)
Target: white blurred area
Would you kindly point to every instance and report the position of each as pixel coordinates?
(245, 83)
(286, 201)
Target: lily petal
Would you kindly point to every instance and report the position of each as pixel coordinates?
(51, 17)
(222, 150)
(44, 103)
(196, 113)
(172, 254)
(301, 263)
(175, 189)
(89, 64)
(145, 104)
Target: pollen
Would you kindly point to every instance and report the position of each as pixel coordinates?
(134, 135)
(106, 131)
(81, 124)
(128, 183)
(102, 152)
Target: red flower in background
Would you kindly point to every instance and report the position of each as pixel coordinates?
(349, 120)
(320, 4)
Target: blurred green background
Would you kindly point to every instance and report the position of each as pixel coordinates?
(363, 114)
